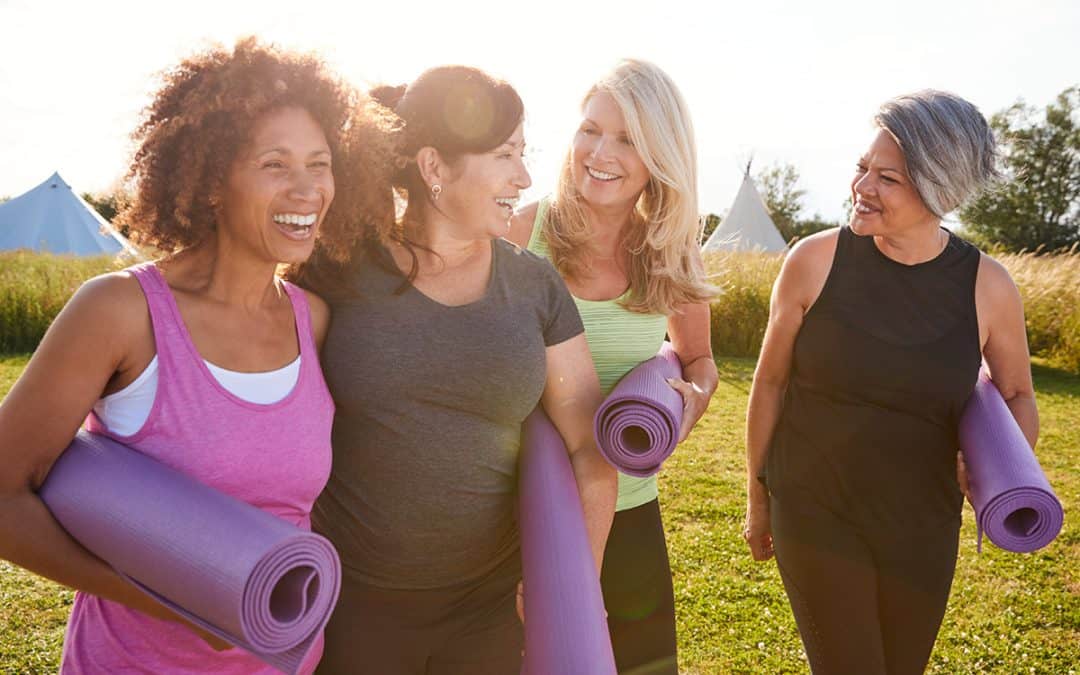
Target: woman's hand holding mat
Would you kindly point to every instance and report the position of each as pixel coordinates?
(237, 572)
(639, 424)
(1014, 503)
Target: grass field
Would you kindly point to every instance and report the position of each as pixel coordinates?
(1008, 613)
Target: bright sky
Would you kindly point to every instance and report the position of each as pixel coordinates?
(794, 81)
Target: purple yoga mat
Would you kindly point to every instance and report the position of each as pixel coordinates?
(566, 630)
(637, 425)
(1014, 503)
(244, 575)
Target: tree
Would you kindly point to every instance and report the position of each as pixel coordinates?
(1038, 204)
(712, 221)
(109, 204)
(778, 185)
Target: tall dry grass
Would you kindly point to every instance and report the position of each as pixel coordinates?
(1050, 288)
(1049, 285)
(741, 312)
(34, 288)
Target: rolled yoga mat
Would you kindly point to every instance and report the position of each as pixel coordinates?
(1014, 503)
(637, 426)
(566, 630)
(244, 575)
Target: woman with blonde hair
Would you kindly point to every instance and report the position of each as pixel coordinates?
(623, 229)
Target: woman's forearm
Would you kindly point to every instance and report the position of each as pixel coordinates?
(702, 373)
(1026, 413)
(31, 538)
(762, 415)
(598, 488)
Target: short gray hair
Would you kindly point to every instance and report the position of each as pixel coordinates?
(947, 144)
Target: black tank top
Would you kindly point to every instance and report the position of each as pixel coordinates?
(883, 364)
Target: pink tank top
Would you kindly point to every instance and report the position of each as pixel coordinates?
(275, 456)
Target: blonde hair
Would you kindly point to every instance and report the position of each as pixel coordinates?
(665, 265)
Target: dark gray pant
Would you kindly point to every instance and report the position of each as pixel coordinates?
(868, 602)
(472, 629)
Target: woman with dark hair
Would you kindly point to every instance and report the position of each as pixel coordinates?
(876, 335)
(203, 359)
(444, 339)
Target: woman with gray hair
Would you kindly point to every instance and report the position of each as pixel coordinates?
(876, 335)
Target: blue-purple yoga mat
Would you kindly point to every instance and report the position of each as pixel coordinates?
(637, 426)
(1014, 503)
(566, 631)
(244, 575)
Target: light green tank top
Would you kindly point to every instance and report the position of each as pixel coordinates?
(619, 340)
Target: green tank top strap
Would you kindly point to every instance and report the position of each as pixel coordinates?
(618, 340)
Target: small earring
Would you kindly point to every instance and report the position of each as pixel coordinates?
(436, 190)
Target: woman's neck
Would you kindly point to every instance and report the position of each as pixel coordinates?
(224, 273)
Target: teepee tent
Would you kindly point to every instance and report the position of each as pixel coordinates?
(747, 226)
(52, 218)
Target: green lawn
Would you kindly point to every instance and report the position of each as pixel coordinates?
(1008, 613)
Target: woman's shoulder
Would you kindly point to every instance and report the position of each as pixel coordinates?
(114, 296)
(522, 224)
(526, 266)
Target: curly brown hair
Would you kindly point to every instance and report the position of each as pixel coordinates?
(205, 112)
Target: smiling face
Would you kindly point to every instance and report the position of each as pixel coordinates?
(606, 168)
(885, 199)
(279, 187)
(485, 188)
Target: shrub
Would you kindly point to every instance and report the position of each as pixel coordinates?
(33, 290)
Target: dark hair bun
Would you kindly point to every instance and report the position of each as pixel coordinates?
(388, 95)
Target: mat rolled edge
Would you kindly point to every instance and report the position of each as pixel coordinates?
(93, 491)
(1004, 475)
(643, 392)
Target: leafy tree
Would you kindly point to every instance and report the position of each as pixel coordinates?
(808, 226)
(712, 221)
(108, 204)
(1038, 204)
(779, 188)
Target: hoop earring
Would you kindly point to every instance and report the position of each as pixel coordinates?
(436, 190)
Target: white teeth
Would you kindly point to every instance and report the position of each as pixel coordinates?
(295, 219)
(509, 202)
(601, 175)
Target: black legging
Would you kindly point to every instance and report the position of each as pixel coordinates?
(638, 596)
(865, 602)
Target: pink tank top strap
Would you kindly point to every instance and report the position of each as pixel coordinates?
(309, 352)
(164, 316)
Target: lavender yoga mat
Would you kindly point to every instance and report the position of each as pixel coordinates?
(637, 425)
(1014, 503)
(244, 575)
(566, 630)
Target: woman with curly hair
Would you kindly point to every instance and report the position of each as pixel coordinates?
(203, 359)
(445, 337)
(622, 228)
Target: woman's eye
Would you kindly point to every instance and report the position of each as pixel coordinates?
(274, 164)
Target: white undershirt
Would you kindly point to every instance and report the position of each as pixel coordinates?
(124, 412)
